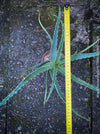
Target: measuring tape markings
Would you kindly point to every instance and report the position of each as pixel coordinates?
(68, 70)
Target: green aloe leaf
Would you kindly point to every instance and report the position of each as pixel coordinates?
(79, 56)
(84, 56)
(55, 38)
(34, 67)
(26, 80)
(80, 115)
(54, 73)
(45, 96)
(58, 89)
(61, 69)
(63, 99)
(62, 61)
(61, 42)
(82, 82)
(44, 29)
(89, 46)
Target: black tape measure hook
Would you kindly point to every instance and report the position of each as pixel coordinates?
(66, 6)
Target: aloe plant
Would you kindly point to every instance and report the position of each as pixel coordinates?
(55, 65)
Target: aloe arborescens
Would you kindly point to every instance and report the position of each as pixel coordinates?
(55, 65)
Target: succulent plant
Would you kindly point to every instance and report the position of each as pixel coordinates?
(55, 65)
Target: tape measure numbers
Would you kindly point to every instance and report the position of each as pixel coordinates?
(68, 70)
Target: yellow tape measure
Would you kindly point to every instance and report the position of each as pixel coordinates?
(68, 70)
